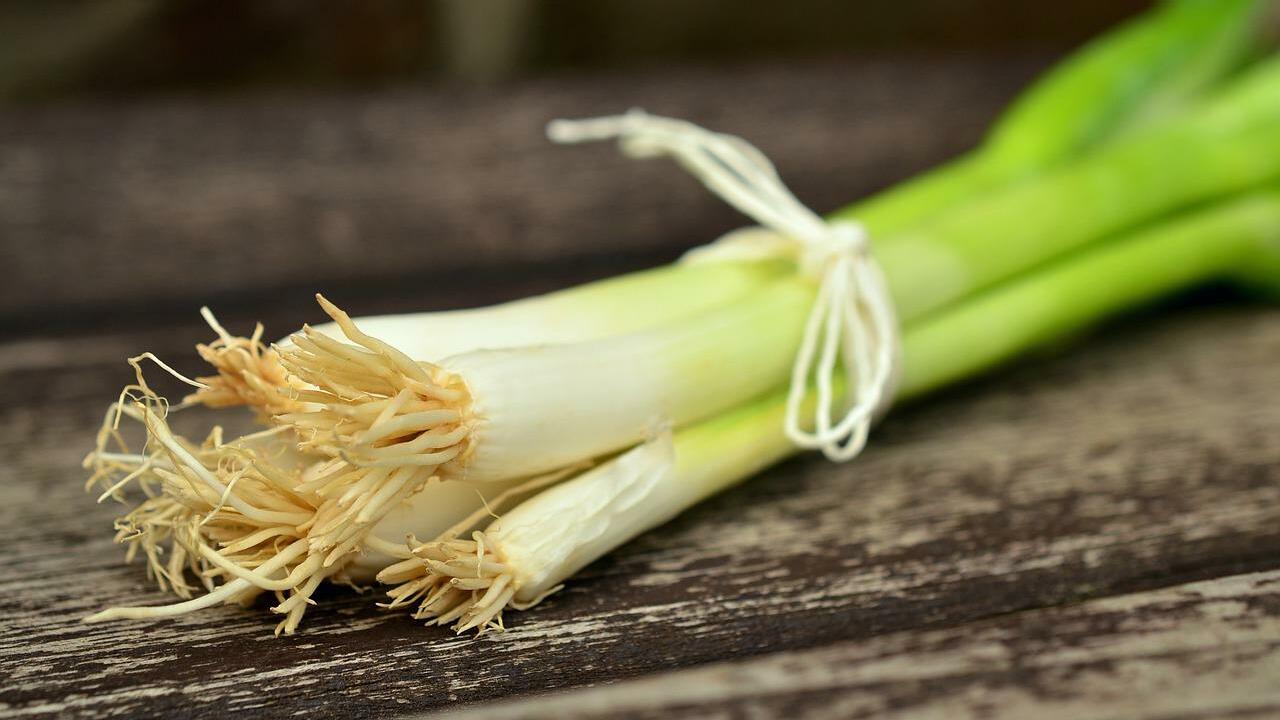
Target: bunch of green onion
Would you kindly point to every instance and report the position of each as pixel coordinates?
(1143, 165)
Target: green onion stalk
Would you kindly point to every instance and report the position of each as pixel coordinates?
(1148, 173)
(469, 579)
(1148, 70)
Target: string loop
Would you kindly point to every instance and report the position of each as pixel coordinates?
(851, 325)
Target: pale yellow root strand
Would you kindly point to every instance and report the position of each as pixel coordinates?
(224, 511)
(465, 583)
(249, 373)
(371, 404)
(217, 597)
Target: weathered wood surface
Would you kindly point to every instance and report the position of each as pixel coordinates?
(1144, 461)
(1200, 650)
(234, 202)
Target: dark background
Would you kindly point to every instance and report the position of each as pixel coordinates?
(156, 155)
(54, 48)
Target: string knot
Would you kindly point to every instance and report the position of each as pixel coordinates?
(851, 325)
(844, 240)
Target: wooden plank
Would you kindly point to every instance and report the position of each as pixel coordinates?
(1199, 650)
(1143, 460)
(107, 211)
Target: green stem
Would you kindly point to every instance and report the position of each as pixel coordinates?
(1230, 146)
(1227, 241)
(1159, 63)
(924, 196)
(1147, 70)
(548, 537)
(1077, 292)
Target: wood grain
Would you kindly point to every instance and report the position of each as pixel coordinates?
(171, 204)
(1199, 650)
(1142, 461)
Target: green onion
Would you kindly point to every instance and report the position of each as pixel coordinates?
(410, 425)
(1237, 240)
(1230, 145)
(249, 372)
(528, 552)
(383, 426)
(1149, 70)
(524, 411)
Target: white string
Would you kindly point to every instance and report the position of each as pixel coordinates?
(852, 322)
